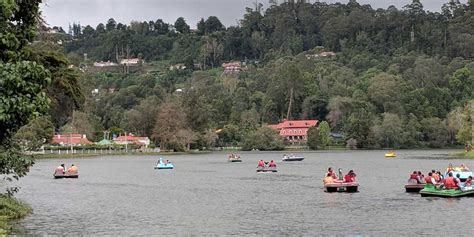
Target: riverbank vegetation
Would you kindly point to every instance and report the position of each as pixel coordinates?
(11, 209)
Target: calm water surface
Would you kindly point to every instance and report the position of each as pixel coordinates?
(206, 195)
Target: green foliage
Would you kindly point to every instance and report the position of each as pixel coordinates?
(36, 133)
(324, 136)
(264, 139)
(11, 208)
(313, 138)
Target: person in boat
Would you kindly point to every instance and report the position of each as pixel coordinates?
(463, 167)
(441, 176)
(421, 177)
(450, 168)
(430, 179)
(60, 169)
(328, 179)
(449, 182)
(458, 181)
(415, 177)
(331, 173)
(167, 162)
(284, 156)
(272, 164)
(261, 164)
(468, 184)
(72, 169)
(435, 176)
(350, 177)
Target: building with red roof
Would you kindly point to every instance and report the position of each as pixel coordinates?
(130, 139)
(70, 139)
(294, 130)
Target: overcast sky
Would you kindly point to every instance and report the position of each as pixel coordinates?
(93, 12)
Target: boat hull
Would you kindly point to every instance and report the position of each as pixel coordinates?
(66, 176)
(293, 159)
(235, 160)
(431, 191)
(342, 187)
(267, 170)
(388, 155)
(414, 188)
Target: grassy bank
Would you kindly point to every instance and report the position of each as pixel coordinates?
(85, 155)
(10, 209)
(465, 155)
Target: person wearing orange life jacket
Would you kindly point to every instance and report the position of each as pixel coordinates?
(331, 173)
(328, 179)
(272, 164)
(430, 179)
(414, 177)
(449, 182)
(72, 169)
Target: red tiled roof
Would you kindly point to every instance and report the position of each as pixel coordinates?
(294, 124)
(75, 139)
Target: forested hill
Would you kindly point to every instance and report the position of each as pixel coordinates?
(289, 29)
(400, 77)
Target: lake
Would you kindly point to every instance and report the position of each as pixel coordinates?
(206, 195)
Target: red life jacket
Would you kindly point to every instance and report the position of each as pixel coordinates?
(272, 165)
(468, 183)
(428, 180)
(261, 164)
(414, 176)
(450, 183)
(348, 179)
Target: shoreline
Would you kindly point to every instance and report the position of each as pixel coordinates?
(11, 209)
(469, 155)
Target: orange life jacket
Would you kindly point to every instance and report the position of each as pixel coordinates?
(428, 180)
(449, 183)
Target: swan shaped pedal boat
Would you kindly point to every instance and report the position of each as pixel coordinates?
(164, 166)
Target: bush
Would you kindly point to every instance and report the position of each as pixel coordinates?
(264, 138)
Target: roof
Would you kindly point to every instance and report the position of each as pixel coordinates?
(104, 142)
(75, 139)
(294, 124)
(130, 138)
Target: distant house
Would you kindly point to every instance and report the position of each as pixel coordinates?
(130, 139)
(234, 67)
(70, 139)
(179, 66)
(130, 62)
(294, 130)
(320, 55)
(105, 64)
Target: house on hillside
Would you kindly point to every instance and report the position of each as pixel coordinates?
(130, 139)
(130, 62)
(70, 139)
(105, 64)
(294, 130)
(233, 68)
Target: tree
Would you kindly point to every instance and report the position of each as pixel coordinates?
(324, 134)
(36, 133)
(169, 120)
(22, 82)
(181, 26)
(466, 132)
(313, 138)
(213, 24)
(111, 24)
(264, 139)
(201, 27)
(389, 133)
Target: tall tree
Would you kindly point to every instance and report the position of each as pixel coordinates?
(181, 26)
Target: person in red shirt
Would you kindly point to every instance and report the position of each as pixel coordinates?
(272, 164)
(261, 164)
(430, 179)
(350, 177)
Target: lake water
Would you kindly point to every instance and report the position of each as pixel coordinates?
(206, 195)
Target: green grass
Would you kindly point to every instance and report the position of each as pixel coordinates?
(465, 155)
(10, 209)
